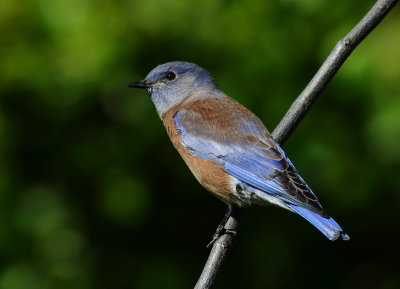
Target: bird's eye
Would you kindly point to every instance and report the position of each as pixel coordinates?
(170, 75)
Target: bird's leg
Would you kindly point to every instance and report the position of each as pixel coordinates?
(231, 211)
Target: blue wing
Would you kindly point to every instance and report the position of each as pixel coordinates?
(239, 142)
(246, 151)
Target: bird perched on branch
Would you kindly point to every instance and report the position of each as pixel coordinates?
(227, 148)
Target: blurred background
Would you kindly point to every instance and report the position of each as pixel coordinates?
(92, 193)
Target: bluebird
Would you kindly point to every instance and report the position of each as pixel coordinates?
(227, 147)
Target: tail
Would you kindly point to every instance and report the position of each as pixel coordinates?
(327, 226)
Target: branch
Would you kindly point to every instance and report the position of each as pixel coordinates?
(217, 255)
(328, 69)
(295, 114)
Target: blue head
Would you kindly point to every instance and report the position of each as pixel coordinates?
(172, 83)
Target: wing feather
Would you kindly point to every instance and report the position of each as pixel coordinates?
(243, 146)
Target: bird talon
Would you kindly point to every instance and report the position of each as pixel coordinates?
(233, 233)
(213, 240)
(219, 233)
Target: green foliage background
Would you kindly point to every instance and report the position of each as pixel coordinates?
(93, 195)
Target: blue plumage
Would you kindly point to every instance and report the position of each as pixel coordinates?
(255, 159)
(227, 147)
(326, 225)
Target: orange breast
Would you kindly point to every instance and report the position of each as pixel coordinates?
(210, 176)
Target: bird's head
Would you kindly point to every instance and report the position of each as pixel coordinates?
(172, 83)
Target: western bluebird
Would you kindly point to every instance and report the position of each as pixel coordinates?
(227, 148)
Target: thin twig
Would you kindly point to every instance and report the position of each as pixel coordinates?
(217, 256)
(295, 114)
(328, 69)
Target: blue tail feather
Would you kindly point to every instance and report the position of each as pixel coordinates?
(327, 226)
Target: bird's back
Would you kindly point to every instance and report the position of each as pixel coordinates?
(227, 135)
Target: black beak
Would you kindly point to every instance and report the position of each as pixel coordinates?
(139, 84)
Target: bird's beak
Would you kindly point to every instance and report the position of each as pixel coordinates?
(140, 84)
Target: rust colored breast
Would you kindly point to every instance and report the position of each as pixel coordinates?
(210, 176)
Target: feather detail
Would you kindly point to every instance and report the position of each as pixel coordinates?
(326, 225)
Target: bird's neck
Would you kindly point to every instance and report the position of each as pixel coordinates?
(164, 104)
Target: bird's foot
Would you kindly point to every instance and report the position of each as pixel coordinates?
(219, 233)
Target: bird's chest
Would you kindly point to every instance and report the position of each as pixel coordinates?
(207, 172)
